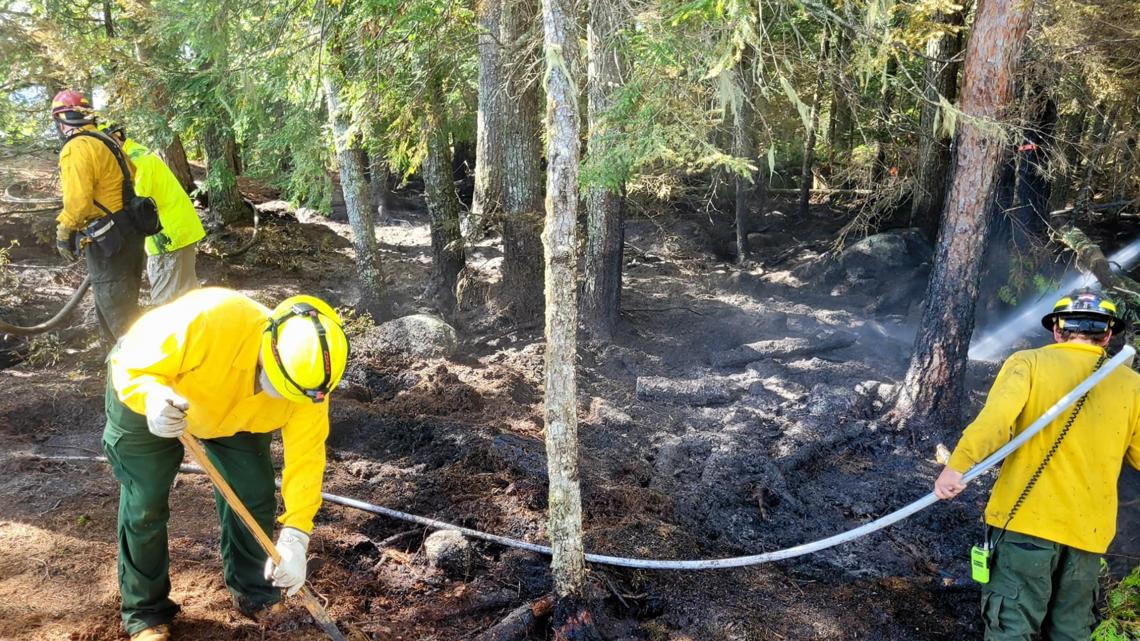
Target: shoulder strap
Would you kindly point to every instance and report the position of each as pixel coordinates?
(128, 184)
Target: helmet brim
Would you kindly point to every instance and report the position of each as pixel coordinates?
(1116, 325)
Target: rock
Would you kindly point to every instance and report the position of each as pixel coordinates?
(697, 392)
(884, 254)
(421, 335)
(450, 551)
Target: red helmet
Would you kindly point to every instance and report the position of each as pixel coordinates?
(71, 108)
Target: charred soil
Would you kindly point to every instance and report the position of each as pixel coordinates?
(692, 447)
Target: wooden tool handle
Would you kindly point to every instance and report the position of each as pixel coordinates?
(310, 600)
(198, 453)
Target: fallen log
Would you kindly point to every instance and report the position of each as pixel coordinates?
(696, 392)
(1091, 260)
(855, 192)
(782, 348)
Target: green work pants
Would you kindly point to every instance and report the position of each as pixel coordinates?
(115, 282)
(1038, 587)
(145, 466)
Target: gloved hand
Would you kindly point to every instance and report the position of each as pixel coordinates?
(166, 413)
(293, 546)
(65, 243)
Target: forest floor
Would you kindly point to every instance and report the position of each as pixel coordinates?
(689, 449)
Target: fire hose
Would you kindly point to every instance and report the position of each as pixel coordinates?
(54, 321)
(1045, 419)
(13, 199)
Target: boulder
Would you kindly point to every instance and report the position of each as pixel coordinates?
(449, 551)
(884, 255)
(420, 335)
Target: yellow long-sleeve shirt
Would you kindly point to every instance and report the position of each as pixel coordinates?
(88, 172)
(204, 346)
(1074, 502)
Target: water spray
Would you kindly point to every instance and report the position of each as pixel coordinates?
(991, 345)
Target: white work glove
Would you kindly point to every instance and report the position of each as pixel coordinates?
(166, 413)
(293, 546)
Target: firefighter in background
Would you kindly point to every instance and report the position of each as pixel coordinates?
(92, 182)
(170, 253)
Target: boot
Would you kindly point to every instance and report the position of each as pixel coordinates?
(157, 633)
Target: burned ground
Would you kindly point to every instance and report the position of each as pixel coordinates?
(689, 450)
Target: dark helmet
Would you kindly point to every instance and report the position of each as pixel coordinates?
(115, 130)
(1084, 311)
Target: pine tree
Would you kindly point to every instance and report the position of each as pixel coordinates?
(601, 294)
(932, 390)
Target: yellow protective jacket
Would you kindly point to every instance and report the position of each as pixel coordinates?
(89, 173)
(1074, 502)
(204, 346)
(181, 226)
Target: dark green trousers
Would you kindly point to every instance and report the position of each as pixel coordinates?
(145, 466)
(1038, 587)
(115, 282)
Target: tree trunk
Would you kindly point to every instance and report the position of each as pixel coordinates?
(744, 146)
(932, 390)
(175, 156)
(941, 80)
(108, 22)
(522, 161)
(351, 160)
(487, 201)
(841, 119)
(879, 169)
(443, 204)
(571, 618)
(226, 204)
(601, 296)
(813, 123)
(236, 161)
(378, 185)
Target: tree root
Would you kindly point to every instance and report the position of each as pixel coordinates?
(521, 621)
(573, 621)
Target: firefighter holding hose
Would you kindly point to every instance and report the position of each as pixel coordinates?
(1052, 511)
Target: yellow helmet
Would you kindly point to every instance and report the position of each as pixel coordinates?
(304, 349)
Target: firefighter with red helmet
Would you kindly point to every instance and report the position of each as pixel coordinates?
(93, 171)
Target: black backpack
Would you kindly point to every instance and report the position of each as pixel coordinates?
(140, 211)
